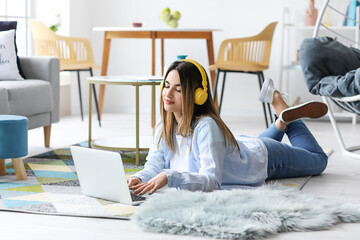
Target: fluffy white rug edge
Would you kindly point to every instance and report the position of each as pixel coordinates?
(242, 213)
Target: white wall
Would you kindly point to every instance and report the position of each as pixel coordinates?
(46, 11)
(236, 18)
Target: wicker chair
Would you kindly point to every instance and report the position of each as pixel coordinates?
(74, 53)
(245, 55)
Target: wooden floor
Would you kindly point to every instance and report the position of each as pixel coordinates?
(339, 182)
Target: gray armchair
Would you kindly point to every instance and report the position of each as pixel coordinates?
(37, 97)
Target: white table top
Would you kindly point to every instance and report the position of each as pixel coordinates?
(127, 79)
(139, 29)
(124, 142)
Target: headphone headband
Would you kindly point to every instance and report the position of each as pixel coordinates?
(201, 70)
(200, 94)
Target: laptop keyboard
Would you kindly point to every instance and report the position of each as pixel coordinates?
(136, 198)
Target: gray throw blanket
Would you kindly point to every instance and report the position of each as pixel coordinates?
(330, 68)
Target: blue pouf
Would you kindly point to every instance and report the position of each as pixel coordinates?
(13, 142)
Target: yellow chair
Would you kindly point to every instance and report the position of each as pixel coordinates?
(245, 55)
(74, 53)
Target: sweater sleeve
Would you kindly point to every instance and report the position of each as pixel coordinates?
(155, 161)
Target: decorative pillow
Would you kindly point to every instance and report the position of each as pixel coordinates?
(8, 64)
(9, 25)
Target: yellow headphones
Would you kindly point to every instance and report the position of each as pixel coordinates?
(200, 94)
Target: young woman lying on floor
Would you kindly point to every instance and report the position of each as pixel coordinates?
(194, 150)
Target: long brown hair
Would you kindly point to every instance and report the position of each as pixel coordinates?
(190, 80)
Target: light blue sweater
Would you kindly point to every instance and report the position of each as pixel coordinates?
(211, 165)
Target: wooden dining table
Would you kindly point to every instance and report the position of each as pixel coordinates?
(153, 34)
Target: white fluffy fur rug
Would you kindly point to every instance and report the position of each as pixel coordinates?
(243, 213)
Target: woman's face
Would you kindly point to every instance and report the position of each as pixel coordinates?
(172, 94)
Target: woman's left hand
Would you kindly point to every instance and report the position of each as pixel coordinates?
(152, 185)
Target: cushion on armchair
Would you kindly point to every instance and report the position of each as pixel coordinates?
(4, 104)
(8, 60)
(30, 97)
(9, 25)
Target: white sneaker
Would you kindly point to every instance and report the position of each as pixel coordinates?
(267, 91)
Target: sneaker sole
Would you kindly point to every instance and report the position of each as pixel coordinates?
(306, 110)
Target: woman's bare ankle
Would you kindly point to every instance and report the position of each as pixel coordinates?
(280, 125)
(279, 103)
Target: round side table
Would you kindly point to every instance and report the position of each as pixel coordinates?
(128, 144)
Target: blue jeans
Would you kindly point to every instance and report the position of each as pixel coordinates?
(305, 157)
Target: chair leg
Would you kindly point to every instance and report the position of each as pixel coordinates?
(79, 84)
(263, 104)
(216, 84)
(268, 104)
(95, 99)
(2, 167)
(19, 168)
(222, 92)
(47, 132)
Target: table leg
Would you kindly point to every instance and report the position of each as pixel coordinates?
(153, 38)
(104, 67)
(90, 115)
(162, 57)
(153, 107)
(210, 50)
(137, 126)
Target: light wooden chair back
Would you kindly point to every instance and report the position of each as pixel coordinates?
(246, 54)
(74, 53)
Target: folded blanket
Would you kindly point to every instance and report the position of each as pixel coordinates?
(330, 68)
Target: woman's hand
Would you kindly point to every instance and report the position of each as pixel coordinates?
(152, 185)
(133, 181)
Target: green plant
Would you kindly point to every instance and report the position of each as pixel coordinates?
(57, 25)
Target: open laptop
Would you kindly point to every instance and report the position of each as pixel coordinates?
(101, 175)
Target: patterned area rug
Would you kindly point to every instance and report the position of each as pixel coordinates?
(53, 188)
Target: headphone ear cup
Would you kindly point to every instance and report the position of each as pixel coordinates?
(200, 96)
(161, 85)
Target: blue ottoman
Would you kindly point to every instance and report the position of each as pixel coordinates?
(13, 143)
